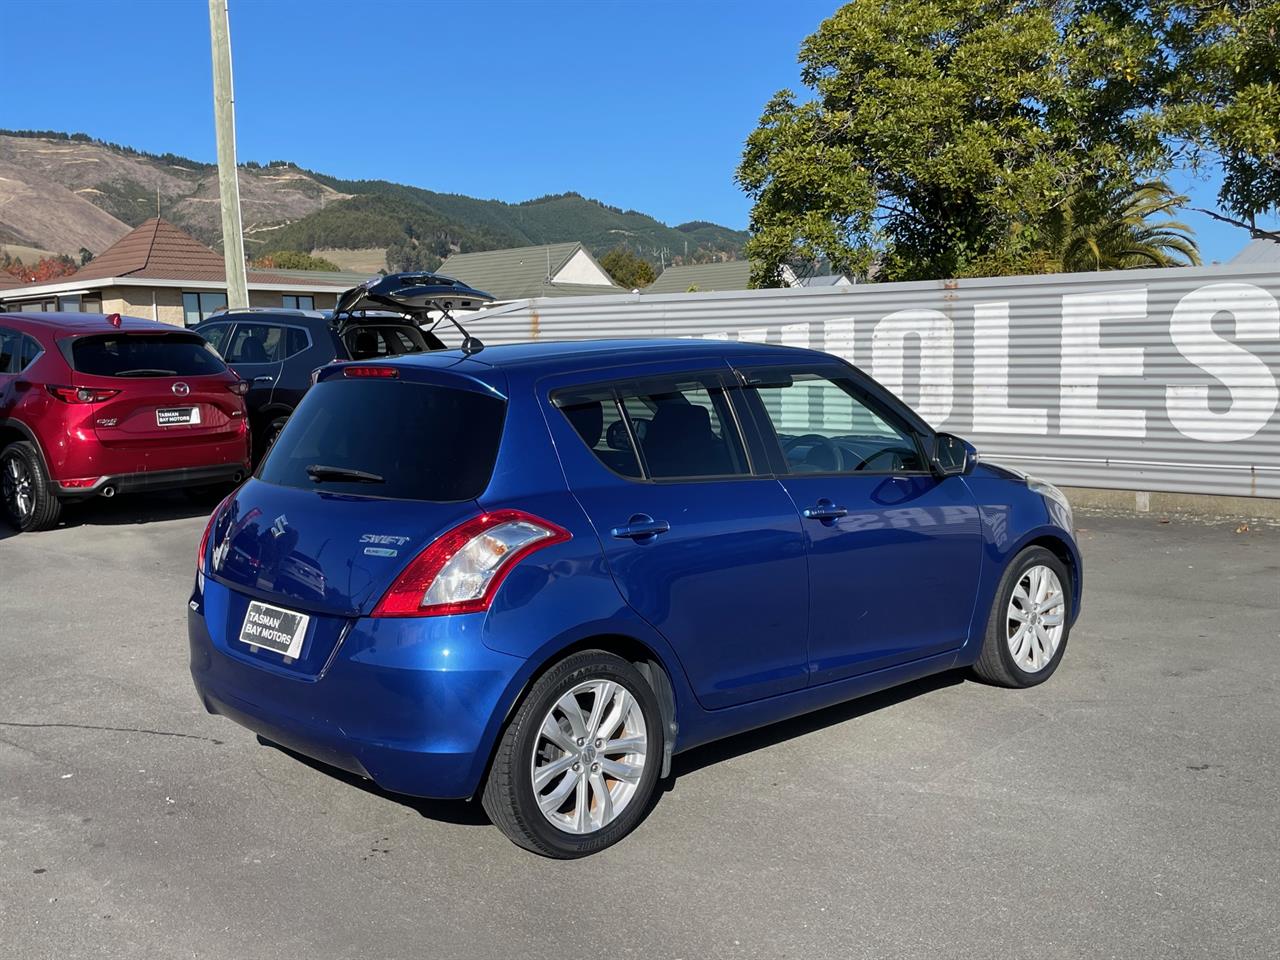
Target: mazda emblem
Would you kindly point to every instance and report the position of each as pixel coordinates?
(181, 389)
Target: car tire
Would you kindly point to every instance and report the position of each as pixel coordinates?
(24, 488)
(510, 798)
(1001, 663)
(266, 435)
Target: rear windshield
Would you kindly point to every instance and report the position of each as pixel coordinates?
(415, 441)
(367, 341)
(145, 355)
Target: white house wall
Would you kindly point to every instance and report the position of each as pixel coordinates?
(1148, 380)
(580, 268)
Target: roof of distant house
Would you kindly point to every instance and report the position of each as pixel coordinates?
(519, 272)
(1260, 252)
(158, 251)
(703, 277)
(831, 280)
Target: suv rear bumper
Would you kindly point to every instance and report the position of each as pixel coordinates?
(155, 480)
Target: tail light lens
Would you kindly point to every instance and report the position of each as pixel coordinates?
(202, 564)
(461, 571)
(81, 394)
(239, 388)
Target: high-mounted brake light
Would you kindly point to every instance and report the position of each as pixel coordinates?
(461, 571)
(81, 394)
(387, 372)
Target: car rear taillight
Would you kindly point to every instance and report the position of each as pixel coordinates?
(81, 394)
(201, 563)
(461, 571)
(388, 372)
(239, 388)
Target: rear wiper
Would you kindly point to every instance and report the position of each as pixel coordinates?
(146, 372)
(319, 472)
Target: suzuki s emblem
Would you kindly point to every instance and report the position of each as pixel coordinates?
(278, 527)
(181, 389)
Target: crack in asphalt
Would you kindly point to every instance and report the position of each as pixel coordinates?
(89, 726)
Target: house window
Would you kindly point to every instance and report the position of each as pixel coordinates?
(201, 306)
(69, 304)
(91, 303)
(303, 302)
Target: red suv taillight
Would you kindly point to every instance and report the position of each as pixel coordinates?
(461, 571)
(239, 388)
(81, 394)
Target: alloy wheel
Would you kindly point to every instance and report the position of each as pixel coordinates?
(1036, 618)
(589, 756)
(18, 492)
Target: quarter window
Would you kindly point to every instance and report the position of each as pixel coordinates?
(17, 351)
(824, 425)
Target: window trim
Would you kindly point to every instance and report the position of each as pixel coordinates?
(616, 387)
(897, 415)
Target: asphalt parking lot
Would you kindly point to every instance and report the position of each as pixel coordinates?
(1128, 808)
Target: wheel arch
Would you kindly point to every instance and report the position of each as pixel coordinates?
(15, 431)
(1070, 558)
(636, 652)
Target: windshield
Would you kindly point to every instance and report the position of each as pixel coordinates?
(389, 438)
(145, 355)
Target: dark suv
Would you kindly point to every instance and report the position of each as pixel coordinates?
(276, 351)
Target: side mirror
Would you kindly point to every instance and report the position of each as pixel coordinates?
(952, 457)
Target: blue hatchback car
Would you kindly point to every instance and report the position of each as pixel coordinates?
(536, 572)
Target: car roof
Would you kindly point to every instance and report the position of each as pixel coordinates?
(285, 315)
(79, 323)
(567, 355)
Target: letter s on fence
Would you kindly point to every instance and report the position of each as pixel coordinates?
(1251, 385)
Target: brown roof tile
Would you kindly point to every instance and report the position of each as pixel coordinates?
(155, 250)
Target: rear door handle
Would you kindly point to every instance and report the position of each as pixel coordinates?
(825, 510)
(641, 528)
(262, 379)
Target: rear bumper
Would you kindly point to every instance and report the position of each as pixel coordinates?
(414, 704)
(156, 480)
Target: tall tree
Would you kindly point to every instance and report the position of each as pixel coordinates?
(943, 131)
(628, 269)
(1224, 98)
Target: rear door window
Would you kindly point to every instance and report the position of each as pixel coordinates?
(685, 428)
(145, 355)
(415, 441)
(256, 343)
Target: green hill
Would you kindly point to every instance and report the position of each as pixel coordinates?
(98, 190)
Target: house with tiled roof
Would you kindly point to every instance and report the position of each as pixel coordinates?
(160, 272)
(549, 270)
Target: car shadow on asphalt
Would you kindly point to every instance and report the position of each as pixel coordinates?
(721, 750)
(467, 813)
(471, 813)
(133, 509)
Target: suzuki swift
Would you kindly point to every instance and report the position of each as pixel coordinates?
(533, 573)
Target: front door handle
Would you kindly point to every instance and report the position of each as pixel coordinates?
(263, 379)
(825, 511)
(640, 528)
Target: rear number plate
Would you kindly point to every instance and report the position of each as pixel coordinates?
(280, 630)
(177, 416)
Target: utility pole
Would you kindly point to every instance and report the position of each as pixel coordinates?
(224, 118)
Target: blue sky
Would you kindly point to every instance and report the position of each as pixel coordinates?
(639, 104)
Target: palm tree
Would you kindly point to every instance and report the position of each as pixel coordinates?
(1117, 229)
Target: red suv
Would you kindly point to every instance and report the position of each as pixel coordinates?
(94, 405)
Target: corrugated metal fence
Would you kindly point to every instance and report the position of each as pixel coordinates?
(1146, 380)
